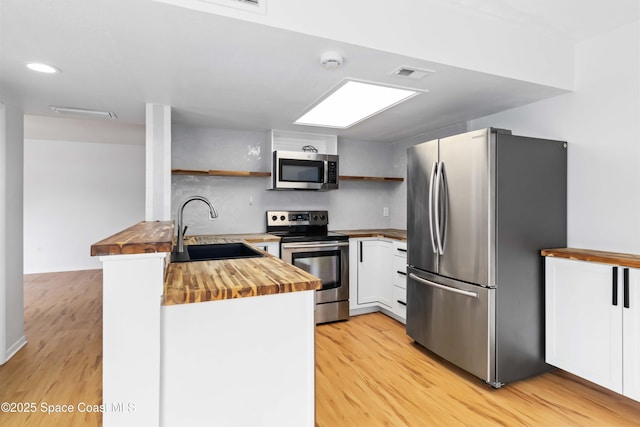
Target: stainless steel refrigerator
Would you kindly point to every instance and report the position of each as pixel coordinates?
(481, 205)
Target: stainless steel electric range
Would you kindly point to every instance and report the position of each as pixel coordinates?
(306, 243)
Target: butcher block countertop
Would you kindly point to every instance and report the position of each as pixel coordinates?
(225, 238)
(619, 259)
(389, 233)
(201, 281)
(144, 237)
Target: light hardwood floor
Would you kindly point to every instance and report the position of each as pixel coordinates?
(62, 361)
(369, 373)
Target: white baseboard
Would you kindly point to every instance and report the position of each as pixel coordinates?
(11, 351)
(365, 310)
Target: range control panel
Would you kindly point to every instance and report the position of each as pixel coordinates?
(293, 218)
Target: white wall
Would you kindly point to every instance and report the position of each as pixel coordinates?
(399, 163)
(601, 122)
(416, 28)
(11, 258)
(77, 193)
(242, 202)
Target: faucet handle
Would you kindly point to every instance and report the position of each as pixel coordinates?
(184, 231)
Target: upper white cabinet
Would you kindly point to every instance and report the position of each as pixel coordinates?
(297, 141)
(592, 312)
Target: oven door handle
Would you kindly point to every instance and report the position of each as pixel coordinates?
(312, 245)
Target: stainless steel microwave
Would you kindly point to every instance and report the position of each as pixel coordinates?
(294, 170)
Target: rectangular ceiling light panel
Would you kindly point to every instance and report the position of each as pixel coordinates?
(353, 102)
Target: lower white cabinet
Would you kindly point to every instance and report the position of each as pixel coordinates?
(378, 277)
(271, 247)
(374, 271)
(631, 336)
(399, 274)
(592, 315)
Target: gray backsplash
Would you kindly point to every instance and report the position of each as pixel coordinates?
(242, 202)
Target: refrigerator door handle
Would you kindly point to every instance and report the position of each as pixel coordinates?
(445, 202)
(443, 287)
(431, 183)
(439, 176)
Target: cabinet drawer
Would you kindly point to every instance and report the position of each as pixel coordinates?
(400, 301)
(400, 271)
(400, 248)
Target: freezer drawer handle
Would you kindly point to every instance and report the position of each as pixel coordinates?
(443, 287)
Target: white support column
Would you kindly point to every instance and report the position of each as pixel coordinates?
(12, 336)
(158, 163)
(132, 297)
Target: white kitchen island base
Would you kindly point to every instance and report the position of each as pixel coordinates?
(239, 362)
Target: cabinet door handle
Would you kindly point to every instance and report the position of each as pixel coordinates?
(614, 290)
(402, 250)
(402, 303)
(401, 272)
(625, 273)
(360, 250)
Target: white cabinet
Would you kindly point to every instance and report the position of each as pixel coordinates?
(377, 277)
(593, 322)
(271, 247)
(631, 335)
(399, 274)
(374, 272)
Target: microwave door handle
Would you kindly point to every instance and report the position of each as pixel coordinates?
(326, 172)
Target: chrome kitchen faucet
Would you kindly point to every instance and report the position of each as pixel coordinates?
(213, 213)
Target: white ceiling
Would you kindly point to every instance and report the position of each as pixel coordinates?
(116, 55)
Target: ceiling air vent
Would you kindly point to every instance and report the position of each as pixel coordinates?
(412, 72)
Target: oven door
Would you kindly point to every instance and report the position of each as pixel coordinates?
(328, 261)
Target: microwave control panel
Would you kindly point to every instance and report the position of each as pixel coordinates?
(332, 173)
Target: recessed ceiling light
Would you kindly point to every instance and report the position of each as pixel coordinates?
(353, 102)
(84, 112)
(43, 68)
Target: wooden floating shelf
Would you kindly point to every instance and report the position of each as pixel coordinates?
(370, 178)
(267, 174)
(219, 173)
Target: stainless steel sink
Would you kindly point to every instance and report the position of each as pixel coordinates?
(215, 251)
